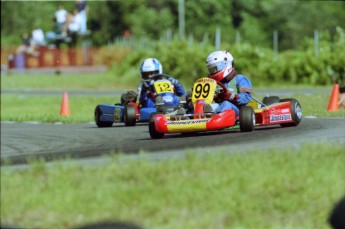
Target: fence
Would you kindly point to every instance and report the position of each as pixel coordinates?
(52, 57)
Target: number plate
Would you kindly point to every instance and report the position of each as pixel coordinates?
(163, 86)
(204, 89)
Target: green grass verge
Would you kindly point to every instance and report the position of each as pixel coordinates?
(67, 81)
(292, 188)
(47, 108)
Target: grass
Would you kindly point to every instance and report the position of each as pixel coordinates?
(292, 188)
(47, 108)
(66, 82)
(285, 188)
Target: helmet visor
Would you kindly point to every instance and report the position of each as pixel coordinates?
(216, 67)
(147, 75)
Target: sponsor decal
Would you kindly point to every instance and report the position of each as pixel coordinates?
(205, 80)
(285, 110)
(279, 118)
(117, 114)
(246, 89)
(188, 122)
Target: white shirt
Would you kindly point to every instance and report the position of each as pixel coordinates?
(38, 36)
(74, 25)
(61, 16)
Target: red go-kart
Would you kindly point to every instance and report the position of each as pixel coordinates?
(271, 111)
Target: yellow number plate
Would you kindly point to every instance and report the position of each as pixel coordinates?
(163, 86)
(204, 89)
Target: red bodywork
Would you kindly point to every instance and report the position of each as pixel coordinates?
(271, 115)
(275, 114)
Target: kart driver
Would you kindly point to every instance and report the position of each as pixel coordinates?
(220, 66)
(148, 68)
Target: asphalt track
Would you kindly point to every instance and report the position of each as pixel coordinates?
(22, 141)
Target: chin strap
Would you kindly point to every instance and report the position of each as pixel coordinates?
(229, 77)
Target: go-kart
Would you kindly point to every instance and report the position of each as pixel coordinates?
(271, 111)
(130, 112)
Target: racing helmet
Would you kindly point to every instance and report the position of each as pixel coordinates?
(149, 67)
(219, 64)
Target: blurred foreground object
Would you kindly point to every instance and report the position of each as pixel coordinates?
(337, 216)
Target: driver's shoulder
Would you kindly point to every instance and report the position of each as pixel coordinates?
(242, 79)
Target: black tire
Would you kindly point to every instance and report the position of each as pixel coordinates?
(153, 133)
(98, 121)
(269, 100)
(130, 115)
(296, 112)
(247, 119)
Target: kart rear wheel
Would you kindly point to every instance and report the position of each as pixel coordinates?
(296, 112)
(99, 123)
(247, 119)
(129, 115)
(269, 100)
(153, 133)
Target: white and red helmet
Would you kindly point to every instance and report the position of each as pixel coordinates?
(219, 64)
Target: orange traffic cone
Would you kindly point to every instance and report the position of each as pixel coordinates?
(333, 104)
(64, 111)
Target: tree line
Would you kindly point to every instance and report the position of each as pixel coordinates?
(254, 20)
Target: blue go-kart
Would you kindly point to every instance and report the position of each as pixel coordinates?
(130, 112)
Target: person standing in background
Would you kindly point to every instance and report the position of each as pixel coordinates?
(73, 25)
(27, 46)
(38, 38)
(61, 16)
(82, 8)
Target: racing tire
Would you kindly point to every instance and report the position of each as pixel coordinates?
(269, 100)
(153, 133)
(129, 115)
(296, 112)
(247, 119)
(98, 121)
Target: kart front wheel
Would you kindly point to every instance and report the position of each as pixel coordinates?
(296, 112)
(153, 133)
(247, 119)
(129, 115)
(99, 122)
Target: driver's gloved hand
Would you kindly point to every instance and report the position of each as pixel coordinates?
(173, 81)
(222, 96)
(226, 96)
(151, 94)
(148, 83)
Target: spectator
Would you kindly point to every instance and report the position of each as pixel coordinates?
(37, 37)
(82, 8)
(27, 46)
(73, 27)
(61, 16)
(57, 35)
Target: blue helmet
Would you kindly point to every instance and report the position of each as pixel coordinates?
(149, 67)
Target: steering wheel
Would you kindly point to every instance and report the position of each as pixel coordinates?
(225, 90)
(159, 75)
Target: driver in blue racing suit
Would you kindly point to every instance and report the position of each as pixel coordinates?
(148, 68)
(220, 66)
